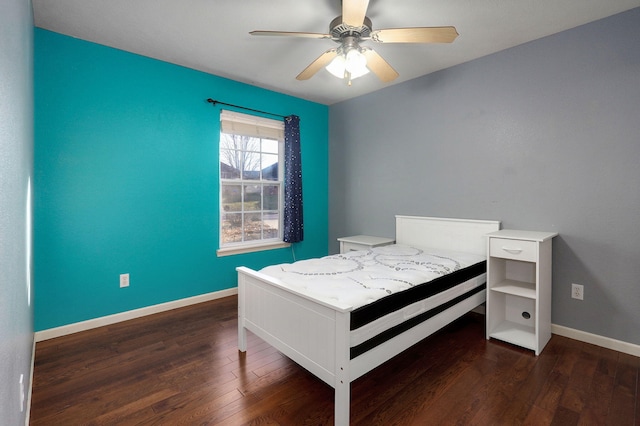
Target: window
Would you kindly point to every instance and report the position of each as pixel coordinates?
(251, 175)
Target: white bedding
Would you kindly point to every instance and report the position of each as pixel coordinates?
(358, 278)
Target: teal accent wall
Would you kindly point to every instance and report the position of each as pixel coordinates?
(126, 180)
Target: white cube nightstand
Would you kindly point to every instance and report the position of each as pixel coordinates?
(362, 242)
(519, 287)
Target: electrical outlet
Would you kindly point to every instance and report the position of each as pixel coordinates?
(124, 280)
(577, 291)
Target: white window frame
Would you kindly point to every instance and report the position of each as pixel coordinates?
(232, 122)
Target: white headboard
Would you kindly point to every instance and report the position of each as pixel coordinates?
(448, 234)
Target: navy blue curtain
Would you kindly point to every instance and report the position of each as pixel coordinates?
(293, 223)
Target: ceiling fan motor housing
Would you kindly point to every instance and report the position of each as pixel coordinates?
(339, 30)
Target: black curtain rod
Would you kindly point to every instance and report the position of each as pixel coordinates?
(214, 102)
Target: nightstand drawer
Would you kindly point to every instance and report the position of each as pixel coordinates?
(513, 249)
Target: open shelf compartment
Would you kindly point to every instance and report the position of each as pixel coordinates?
(516, 288)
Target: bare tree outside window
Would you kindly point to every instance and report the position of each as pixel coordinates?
(238, 154)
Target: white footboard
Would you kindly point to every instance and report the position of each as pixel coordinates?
(303, 330)
(312, 334)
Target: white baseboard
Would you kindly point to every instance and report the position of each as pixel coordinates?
(594, 339)
(124, 316)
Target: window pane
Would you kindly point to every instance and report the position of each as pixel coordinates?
(228, 141)
(252, 197)
(231, 231)
(271, 196)
(251, 166)
(227, 171)
(230, 156)
(271, 225)
(252, 226)
(269, 167)
(251, 143)
(232, 198)
(270, 146)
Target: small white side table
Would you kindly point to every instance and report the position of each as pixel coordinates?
(519, 287)
(362, 242)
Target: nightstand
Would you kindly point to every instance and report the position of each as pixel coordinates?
(362, 242)
(519, 287)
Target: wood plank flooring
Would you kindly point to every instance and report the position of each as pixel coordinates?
(183, 367)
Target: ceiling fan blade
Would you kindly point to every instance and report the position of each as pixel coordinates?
(289, 34)
(322, 61)
(379, 66)
(354, 11)
(415, 35)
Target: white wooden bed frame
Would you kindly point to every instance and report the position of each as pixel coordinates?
(316, 334)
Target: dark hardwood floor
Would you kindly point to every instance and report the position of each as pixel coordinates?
(183, 367)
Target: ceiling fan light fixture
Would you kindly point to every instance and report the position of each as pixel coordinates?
(336, 67)
(349, 65)
(355, 62)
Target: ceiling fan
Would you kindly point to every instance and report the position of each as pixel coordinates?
(351, 60)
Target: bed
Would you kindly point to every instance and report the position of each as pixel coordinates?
(317, 332)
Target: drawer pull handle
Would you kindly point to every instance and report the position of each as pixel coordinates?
(512, 250)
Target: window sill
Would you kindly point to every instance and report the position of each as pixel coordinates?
(250, 249)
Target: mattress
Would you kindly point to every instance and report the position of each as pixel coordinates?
(390, 289)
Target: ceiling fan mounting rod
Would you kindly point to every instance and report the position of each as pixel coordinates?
(350, 43)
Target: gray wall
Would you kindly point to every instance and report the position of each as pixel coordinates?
(16, 163)
(544, 136)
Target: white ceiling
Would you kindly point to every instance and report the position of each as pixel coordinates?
(213, 35)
